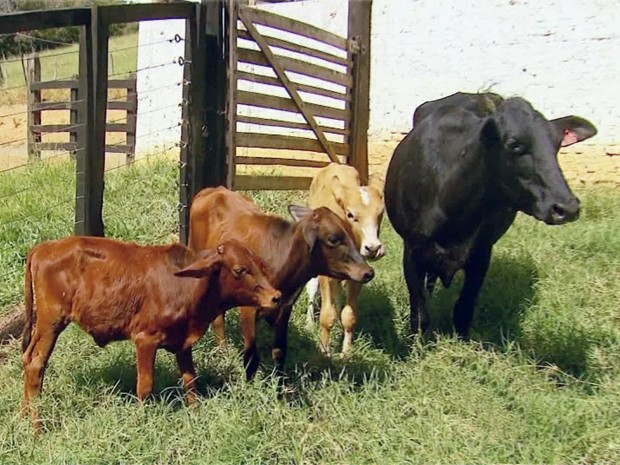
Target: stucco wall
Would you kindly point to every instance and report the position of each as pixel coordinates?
(563, 56)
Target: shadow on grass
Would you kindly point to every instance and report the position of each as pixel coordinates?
(305, 361)
(119, 375)
(507, 292)
(507, 295)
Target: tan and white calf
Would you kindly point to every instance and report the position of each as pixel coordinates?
(338, 187)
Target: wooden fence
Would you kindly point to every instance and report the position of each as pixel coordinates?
(36, 106)
(208, 84)
(327, 66)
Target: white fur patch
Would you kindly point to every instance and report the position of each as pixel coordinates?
(365, 196)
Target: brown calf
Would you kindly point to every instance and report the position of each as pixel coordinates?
(157, 296)
(338, 188)
(318, 242)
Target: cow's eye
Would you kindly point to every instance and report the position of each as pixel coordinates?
(334, 239)
(515, 146)
(350, 215)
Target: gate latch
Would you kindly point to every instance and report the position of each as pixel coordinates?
(355, 45)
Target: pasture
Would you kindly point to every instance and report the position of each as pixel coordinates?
(539, 381)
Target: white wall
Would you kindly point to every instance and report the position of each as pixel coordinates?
(563, 56)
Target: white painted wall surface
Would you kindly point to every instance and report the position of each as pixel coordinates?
(563, 56)
(159, 84)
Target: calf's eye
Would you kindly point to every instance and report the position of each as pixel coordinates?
(238, 270)
(333, 239)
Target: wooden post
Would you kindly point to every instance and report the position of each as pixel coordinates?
(212, 164)
(33, 73)
(90, 162)
(192, 146)
(232, 8)
(132, 119)
(360, 13)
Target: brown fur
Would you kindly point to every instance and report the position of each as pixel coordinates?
(296, 252)
(157, 296)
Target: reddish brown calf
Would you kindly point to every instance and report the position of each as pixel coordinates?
(157, 296)
(319, 242)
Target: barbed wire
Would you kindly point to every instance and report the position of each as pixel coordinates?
(42, 160)
(10, 142)
(59, 106)
(147, 91)
(40, 39)
(22, 218)
(161, 65)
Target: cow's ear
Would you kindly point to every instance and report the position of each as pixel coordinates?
(573, 129)
(338, 191)
(311, 232)
(299, 212)
(204, 266)
(489, 135)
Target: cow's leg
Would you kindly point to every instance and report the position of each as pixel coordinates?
(278, 353)
(349, 315)
(475, 270)
(414, 276)
(35, 359)
(219, 330)
(330, 289)
(250, 353)
(312, 289)
(188, 373)
(146, 347)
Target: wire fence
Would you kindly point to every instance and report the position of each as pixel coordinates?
(37, 199)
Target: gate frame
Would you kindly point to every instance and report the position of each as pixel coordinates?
(358, 40)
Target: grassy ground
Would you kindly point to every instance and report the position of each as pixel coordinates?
(539, 382)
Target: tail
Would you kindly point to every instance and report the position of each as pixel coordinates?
(28, 304)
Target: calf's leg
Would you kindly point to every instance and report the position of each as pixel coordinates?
(330, 289)
(250, 353)
(311, 289)
(188, 373)
(475, 270)
(349, 315)
(35, 359)
(280, 345)
(146, 347)
(219, 330)
(414, 276)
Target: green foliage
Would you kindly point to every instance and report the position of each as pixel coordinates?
(539, 381)
(46, 39)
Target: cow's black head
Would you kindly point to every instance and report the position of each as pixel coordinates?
(522, 149)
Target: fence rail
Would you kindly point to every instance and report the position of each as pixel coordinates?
(210, 95)
(75, 127)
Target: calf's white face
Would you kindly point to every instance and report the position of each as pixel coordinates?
(363, 209)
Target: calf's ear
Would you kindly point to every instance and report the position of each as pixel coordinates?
(204, 266)
(310, 230)
(299, 212)
(573, 129)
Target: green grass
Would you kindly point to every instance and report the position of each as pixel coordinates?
(539, 382)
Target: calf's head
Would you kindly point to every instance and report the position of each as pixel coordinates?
(332, 249)
(244, 279)
(363, 209)
(522, 149)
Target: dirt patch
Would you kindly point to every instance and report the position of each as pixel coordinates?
(583, 165)
(14, 135)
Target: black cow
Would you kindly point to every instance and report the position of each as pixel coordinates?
(456, 182)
